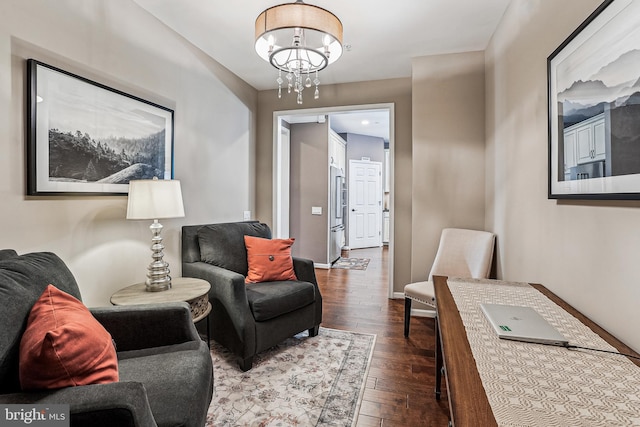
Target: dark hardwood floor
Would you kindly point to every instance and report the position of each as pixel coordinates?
(400, 386)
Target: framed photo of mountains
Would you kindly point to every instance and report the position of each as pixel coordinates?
(594, 107)
(84, 138)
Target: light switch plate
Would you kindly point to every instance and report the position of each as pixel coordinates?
(316, 210)
(246, 215)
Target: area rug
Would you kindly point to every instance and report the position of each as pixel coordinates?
(351, 263)
(304, 381)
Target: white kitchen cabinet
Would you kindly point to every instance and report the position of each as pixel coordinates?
(337, 151)
(585, 141)
(570, 158)
(385, 227)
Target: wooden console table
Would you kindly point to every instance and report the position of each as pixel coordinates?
(468, 402)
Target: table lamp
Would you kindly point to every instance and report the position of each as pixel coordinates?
(155, 199)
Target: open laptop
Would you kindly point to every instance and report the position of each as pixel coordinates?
(518, 323)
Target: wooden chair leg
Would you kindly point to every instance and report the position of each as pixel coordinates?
(439, 361)
(407, 316)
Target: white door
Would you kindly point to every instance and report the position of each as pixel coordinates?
(365, 204)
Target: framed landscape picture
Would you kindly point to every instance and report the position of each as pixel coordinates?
(84, 138)
(594, 107)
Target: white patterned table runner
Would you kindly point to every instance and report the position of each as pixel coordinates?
(538, 385)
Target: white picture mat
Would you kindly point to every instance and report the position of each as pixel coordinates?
(69, 104)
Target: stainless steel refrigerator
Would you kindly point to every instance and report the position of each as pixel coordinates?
(337, 210)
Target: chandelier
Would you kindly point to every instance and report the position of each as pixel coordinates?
(299, 40)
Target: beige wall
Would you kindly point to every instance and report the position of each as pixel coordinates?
(359, 146)
(118, 44)
(397, 91)
(586, 252)
(448, 151)
(309, 187)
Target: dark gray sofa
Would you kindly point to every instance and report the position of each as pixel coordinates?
(248, 318)
(165, 369)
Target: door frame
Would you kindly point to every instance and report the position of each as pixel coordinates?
(281, 180)
(277, 174)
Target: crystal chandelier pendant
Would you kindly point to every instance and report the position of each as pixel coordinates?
(316, 82)
(279, 81)
(289, 79)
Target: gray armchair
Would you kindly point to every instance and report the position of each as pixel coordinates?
(248, 318)
(165, 369)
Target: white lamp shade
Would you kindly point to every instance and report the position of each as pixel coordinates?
(275, 28)
(154, 199)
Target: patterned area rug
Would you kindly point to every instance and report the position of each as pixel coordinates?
(304, 381)
(351, 263)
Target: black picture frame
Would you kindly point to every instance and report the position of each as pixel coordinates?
(85, 138)
(594, 107)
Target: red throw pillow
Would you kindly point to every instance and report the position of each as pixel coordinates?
(64, 345)
(269, 259)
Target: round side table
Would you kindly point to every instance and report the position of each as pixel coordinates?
(183, 289)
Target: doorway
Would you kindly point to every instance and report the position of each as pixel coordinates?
(281, 192)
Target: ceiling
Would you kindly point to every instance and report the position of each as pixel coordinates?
(380, 36)
(362, 122)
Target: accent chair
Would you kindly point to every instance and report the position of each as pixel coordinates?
(461, 253)
(248, 318)
(165, 374)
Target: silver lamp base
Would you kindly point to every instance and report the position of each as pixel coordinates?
(158, 278)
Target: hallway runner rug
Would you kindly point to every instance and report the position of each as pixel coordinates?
(303, 381)
(351, 263)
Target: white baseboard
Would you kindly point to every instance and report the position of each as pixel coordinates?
(418, 312)
(323, 266)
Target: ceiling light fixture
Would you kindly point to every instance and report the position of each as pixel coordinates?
(299, 40)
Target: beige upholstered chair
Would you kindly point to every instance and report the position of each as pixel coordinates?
(461, 253)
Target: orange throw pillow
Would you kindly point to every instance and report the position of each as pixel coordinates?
(64, 345)
(269, 259)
